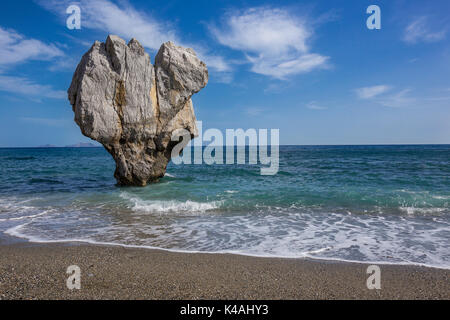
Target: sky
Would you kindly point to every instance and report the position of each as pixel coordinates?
(312, 69)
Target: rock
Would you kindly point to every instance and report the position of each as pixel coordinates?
(132, 107)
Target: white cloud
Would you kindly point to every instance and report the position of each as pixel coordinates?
(398, 100)
(64, 65)
(124, 21)
(314, 106)
(266, 30)
(419, 31)
(128, 22)
(15, 48)
(27, 87)
(274, 41)
(217, 63)
(378, 94)
(285, 66)
(371, 92)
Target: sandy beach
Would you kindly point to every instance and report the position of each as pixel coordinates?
(37, 271)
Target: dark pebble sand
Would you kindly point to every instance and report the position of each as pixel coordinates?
(34, 271)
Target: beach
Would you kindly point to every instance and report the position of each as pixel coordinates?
(38, 271)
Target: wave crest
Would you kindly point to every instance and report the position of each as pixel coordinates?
(170, 206)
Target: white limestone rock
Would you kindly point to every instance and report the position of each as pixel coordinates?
(132, 107)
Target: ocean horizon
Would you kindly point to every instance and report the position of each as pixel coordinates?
(281, 145)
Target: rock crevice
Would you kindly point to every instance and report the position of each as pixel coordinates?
(133, 107)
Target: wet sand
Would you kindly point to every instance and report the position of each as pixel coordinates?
(37, 271)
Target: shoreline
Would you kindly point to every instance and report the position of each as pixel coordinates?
(13, 239)
(31, 270)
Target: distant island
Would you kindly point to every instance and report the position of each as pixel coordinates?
(82, 145)
(47, 146)
(77, 145)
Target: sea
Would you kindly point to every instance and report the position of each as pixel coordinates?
(377, 204)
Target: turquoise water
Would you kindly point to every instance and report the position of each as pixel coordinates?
(356, 203)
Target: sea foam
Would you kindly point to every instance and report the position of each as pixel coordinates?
(169, 206)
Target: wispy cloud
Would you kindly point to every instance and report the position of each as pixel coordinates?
(398, 100)
(419, 30)
(15, 48)
(122, 20)
(66, 64)
(215, 62)
(29, 88)
(371, 92)
(274, 41)
(380, 94)
(314, 106)
(126, 21)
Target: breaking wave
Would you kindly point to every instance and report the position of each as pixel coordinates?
(169, 206)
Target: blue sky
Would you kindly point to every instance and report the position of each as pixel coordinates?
(310, 68)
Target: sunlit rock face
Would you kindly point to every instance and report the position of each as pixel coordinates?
(133, 107)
